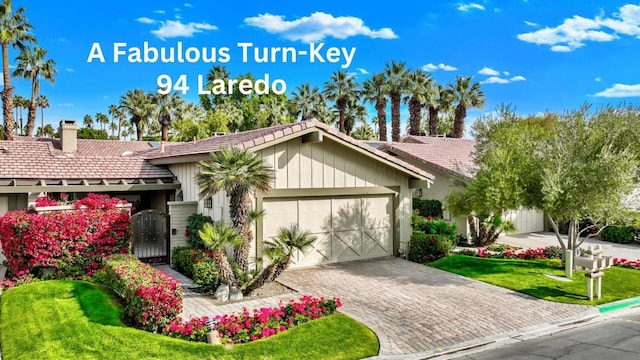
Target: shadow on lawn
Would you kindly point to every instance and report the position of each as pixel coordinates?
(97, 304)
(553, 294)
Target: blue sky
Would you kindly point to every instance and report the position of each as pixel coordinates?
(536, 55)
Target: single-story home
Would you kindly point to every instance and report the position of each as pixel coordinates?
(450, 160)
(354, 198)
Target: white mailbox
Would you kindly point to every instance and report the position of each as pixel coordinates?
(594, 262)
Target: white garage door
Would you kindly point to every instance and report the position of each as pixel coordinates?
(526, 220)
(347, 228)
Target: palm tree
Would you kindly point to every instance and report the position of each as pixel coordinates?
(280, 251)
(354, 113)
(87, 121)
(396, 74)
(306, 100)
(15, 30)
(237, 172)
(217, 238)
(273, 111)
(45, 131)
(117, 114)
(136, 103)
(417, 86)
(19, 104)
(364, 132)
(326, 114)
(102, 119)
(167, 107)
(42, 102)
(340, 89)
(375, 90)
(466, 95)
(33, 66)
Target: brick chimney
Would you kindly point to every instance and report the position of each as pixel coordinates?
(68, 136)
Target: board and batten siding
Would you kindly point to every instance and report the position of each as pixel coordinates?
(186, 174)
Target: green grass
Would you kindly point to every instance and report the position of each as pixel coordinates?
(79, 320)
(528, 277)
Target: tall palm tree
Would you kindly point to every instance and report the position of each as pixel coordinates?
(417, 86)
(42, 102)
(33, 66)
(238, 173)
(375, 90)
(19, 103)
(15, 31)
(103, 120)
(217, 238)
(354, 113)
(117, 114)
(167, 106)
(396, 74)
(465, 95)
(87, 121)
(326, 114)
(136, 103)
(273, 111)
(340, 89)
(306, 100)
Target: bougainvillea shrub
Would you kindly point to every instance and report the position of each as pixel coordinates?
(629, 264)
(152, 299)
(195, 329)
(72, 243)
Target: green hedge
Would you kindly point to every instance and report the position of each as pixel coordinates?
(196, 264)
(620, 234)
(429, 247)
(428, 207)
(195, 223)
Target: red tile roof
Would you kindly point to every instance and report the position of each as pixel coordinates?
(249, 139)
(446, 154)
(95, 159)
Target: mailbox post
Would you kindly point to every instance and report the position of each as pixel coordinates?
(594, 262)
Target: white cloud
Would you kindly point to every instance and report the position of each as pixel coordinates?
(488, 71)
(12, 66)
(70, 69)
(175, 28)
(620, 91)
(505, 73)
(432, 67)
(159, 11)
(178, 16)
(530, 23)
(188, 5)
(65, 105)
(470, 6)
(145, 20)
(317, 26)
(105, 97)
(597, 79)
(576, 31)
(517, 78)
(495, 80)
(362, 71)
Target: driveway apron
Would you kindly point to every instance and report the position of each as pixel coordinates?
(415, 308)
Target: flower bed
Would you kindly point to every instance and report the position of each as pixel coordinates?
(622, 262)
(152, 298)
(506, 252)
(257, 324)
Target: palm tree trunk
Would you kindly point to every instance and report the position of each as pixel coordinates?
(280, 268)
(458, 122)
(119, 128)
(165, 132)
(42, 117)
(7, 95)
(224, 270)
(414, 116)
(239, 213)
(395, 117)
(342, 104)
(433, 120)
(265, 277)
(381, 104)
(31, 116)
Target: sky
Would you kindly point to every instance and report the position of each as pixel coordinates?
(536, 55)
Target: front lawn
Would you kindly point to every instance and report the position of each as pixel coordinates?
(527, 276)
(78, 320)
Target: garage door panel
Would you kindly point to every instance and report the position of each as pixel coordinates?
(278, 214)
(347, 214)
(347, 245)
(377, 242)
(320, 252)
(315, 215)
(375, 212)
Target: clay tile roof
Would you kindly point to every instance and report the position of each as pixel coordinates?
(249, 139)
(95, 159)
(447, 154)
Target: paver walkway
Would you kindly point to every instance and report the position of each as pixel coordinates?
(415, 308)
(543, 239)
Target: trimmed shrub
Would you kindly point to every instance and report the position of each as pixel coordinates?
(468, 252)
(435, 227)
(205, 273)
(428, 207)
(184, 258)
(553, 252)
(195, 329)
(620, 234)
(72, 243)
(195, 223)
(152, 299)
(429, 247)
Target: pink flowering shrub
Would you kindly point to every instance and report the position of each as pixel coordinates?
(622, 262)
(152, 298)
(264, 322)
(45, 201)
(73, 243)
(21, 278)
(195, 329)
(509, 253)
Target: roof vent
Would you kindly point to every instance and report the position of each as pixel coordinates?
(4, 149)
(127, 153)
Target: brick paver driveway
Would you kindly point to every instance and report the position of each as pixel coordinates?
(415, 308)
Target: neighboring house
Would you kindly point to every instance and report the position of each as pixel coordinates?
(353, 197)
(451, 161)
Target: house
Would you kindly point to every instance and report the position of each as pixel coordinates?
(450, 160)
(354, 198)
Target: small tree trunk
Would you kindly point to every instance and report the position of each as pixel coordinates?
(262, 279)
(395, 117)
(224, 269)
(433, 120)
(381, 104)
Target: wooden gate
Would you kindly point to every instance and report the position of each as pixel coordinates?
(151, 236)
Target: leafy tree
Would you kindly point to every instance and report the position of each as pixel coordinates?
(89, 133)
(396, 74)
(42, 102)
(364, 132)
(15, 31)
(340, 89)
(32, 65)
(465, 95)
(237, 173)
(375, 89)
(137, 105)
(306, 100)
(417, 86)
